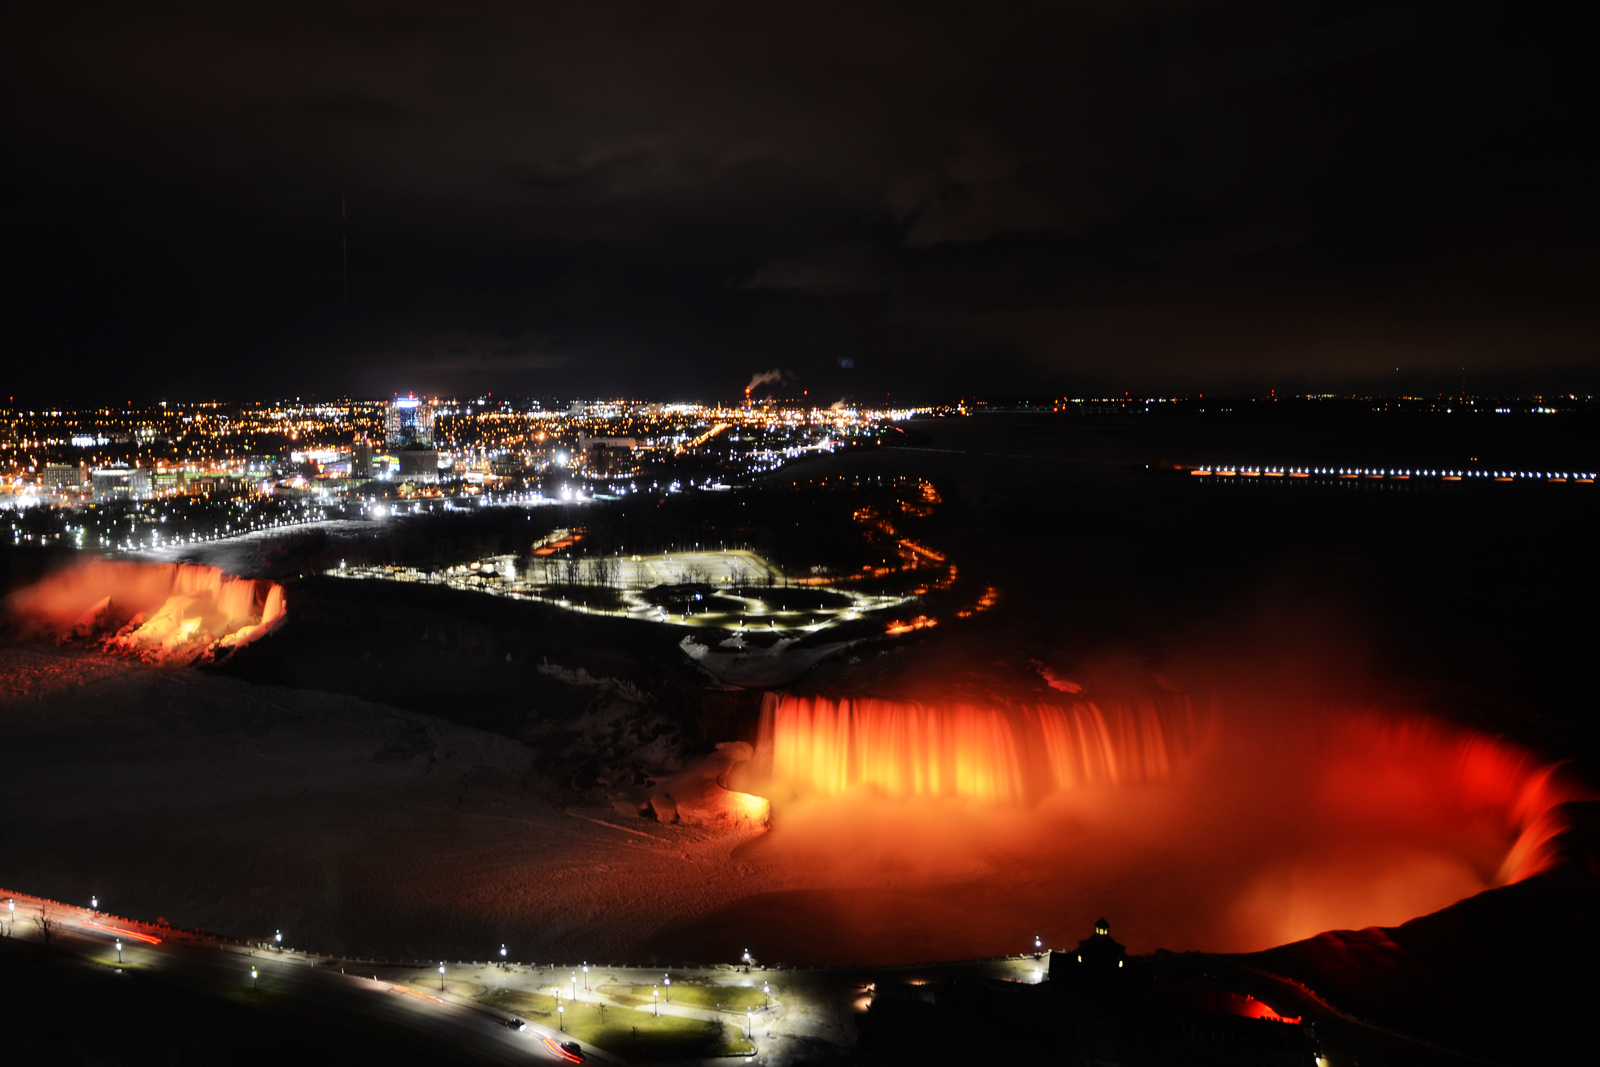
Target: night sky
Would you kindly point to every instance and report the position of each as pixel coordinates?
(919, 200)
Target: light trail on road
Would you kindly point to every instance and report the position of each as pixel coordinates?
(193, 956)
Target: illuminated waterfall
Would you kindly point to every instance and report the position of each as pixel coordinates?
(1234, 825)
(159, 612)
(1001, 755)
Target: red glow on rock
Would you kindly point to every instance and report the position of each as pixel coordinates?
(158, 612)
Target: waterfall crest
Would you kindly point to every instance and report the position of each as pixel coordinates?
(1005, 755)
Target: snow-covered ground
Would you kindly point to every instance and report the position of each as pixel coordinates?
(361, 828)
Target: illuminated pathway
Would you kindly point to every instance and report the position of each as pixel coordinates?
(443, 1016)
(806, 1011)
(734, 575)
(804, 1007)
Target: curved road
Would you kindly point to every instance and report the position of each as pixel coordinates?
(440, 1015)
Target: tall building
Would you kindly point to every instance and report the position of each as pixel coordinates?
(361, 458)
(409, 422)
(418, 463)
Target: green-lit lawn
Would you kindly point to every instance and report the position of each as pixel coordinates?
(732, 998)
(631, 1032)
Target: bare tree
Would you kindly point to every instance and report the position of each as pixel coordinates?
(46, 922)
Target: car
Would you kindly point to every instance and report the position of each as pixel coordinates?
(515, 1024)
(567, 1050)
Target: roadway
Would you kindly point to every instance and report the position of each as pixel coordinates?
(159, 950)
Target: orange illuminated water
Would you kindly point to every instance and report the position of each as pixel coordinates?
(916, 831)
(990, 754)
(159, 612)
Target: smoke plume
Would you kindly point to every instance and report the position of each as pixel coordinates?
(763, 377)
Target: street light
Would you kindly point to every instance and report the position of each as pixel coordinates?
(502, 955)
(94, 903)
(254, 974)
(766, 995)
(441, 976)
(1038, 943)
(667, 978)
(586, 978)
(119, 950)
(574, 985)
(561, 1014)
(749, 1022)
(278, 937)
(655, 994)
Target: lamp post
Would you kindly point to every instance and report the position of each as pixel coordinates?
(278, 938)
(586, 978)
(1038, 944)
(119, 950)
(502, 955)
(254, 974)
(561, 1014)
(766, 995)
(574, 985)
(441, 976)
(94, 902)
(655, 995)
(667, 978)
(749, 1022)
(747, 959)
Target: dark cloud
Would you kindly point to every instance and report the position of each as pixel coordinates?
(832, 270)
(633, 198)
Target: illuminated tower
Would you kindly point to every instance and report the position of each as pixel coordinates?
(409, 422)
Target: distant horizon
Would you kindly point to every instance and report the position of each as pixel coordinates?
(974, 399)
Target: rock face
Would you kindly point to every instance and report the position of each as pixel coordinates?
(94, 619)
(665, 809)
(1492, 975)
(698, 795)
(760, 667)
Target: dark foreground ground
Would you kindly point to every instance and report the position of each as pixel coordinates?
(63, 1010)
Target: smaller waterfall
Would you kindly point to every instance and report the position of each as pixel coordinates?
(160, 612)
